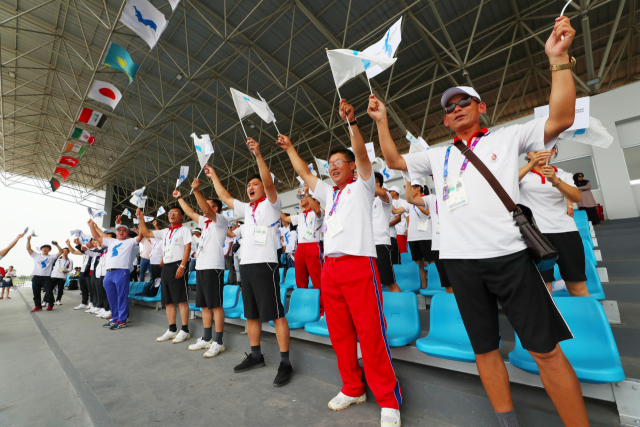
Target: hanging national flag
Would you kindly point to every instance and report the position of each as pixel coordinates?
(204, 149)
(184, 171)
(126, 212)
(55, 184)
(246, 105)
(148, 218)
(64, 173)
(91, 117)
(418, 144)
(119, 59)
(323, 166)
(385, 47)
(76, 148)
(82, 135)
(347, 64)
(106, 93)
(69, 161)
(160, 211)
(145, 20)
(174, 4)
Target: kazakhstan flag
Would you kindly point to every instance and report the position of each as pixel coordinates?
(119, 59)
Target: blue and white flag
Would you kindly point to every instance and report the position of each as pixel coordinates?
(312, 170)
(145, 20)
(385, 47)
(184, 172)
(347, 64)
(246, 105)
(160, 211)
(323, 166)
(148, 218)
(138, 199)
(387, 173)
(25, 230)
(33, 233)
(204, 149)
(127, 213)
(418, 144)
(228, 214)
(96, 214)
(85, 238)
(136, 221)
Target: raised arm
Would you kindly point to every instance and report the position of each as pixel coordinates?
(299, 165)
(72, 249)
(5, 251)
(562, 100)
(378, 112)
(285, 217)
(202, 202)
(144, 231)
(222, 192)
(537, 157)
(569, 192)
(95, 232)
(382, 194)
(265, 175)
(185, 207)
(395, 220)
(363, 164)
(29, 245)
(408, 194)
(55, 243)
(155, 225)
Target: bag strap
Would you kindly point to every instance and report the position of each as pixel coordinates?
(486, 173)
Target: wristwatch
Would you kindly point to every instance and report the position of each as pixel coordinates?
(354, 122)
(569, 65)
(182, 267)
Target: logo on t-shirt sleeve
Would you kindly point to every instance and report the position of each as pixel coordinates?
(114, 250)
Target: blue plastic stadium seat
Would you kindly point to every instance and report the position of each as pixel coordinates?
(447, 337)
(433, 282)
(318, 328)
(403, 322)
(156, 298)
(594, 285)
(136, 287)
(580, 217)
(408, 277)
(235, 312)
(592, 353)
(230, 296)
(281, 274)
(290, 281)
(405, 258)
(192, 278)
(226, 277)
(304, 307)
(192, 307)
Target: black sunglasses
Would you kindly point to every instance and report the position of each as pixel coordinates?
(463, 103)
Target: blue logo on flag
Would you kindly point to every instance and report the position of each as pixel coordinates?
(148, 22)
(114, 250)
(247, 99)
(387, 47)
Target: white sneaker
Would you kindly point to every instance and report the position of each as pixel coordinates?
(95, 310)
(214, 350)
(58, 303)
(200, 345)
(167, 336)
(342, 401)
(106, 314)
(182, 336)
(390, 417)
(81, 307)
(90, 307)
(100, 312)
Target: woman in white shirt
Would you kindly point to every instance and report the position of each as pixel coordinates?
(550, 192)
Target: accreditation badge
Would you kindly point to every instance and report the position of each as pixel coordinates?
(334, 225)
(457, 195)
(260, 235)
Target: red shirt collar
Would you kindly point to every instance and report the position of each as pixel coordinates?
(481, 132)
(173, 227)
(257, 202)
(541, 176)
(335, 187)
(306, 211)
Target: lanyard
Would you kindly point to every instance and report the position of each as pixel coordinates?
(464, 163)
(337, 199)
(171, 230)
(205, 233)
(255, 206)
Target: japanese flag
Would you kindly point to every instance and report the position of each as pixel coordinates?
(106, 93)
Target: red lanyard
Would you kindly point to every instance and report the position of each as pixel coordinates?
(337, 199)
(254, 205)
(171, 230)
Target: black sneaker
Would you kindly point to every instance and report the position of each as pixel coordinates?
(285, 372)
(249, 363)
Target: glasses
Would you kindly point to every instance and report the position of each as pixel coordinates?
(337, 163)
(463, 103)
(121, 230)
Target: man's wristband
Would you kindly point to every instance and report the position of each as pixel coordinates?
(354, 122)
(182, 267)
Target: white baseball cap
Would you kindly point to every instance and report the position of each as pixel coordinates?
(121, 226)
(395, 188)
(446, 96)
(415, 182)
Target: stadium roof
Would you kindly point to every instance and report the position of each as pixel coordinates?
(52, 51)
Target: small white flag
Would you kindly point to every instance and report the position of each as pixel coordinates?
(145, 20)
(323, 166)
(136, 221)
(33, 233)
(273, 117)
(417, 145)
(174, 4)
(184, 172)
(96, 214)
(312, 170)
(138, 199)
(127, 213)
(148, 218)
(347, 64)
(227, 214)
(204, 149)
(300, 180)
(385, 47)
(246, 105)
(387, 173)
(160, 211)
(371, 151)
(84, 237)
(595, 134)
(25, 230)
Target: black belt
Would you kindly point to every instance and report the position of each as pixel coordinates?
(116, 269)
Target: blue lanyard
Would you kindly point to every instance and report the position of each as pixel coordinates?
(445, 191)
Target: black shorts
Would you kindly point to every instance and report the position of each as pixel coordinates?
(514, 282)
(570, 257)
(395, 251)
(209, 285)
(261, 291)
(385, 265)
(421, 250)
(444, 278)
(173, 291)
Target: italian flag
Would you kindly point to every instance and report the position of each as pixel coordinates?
(55, 184)
(76, 148)
(83, 135)
(92, 117)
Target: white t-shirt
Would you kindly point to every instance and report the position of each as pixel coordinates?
(548, 205)
(280, 235)
(308, 220)
(483, 228)
(228, 242)
(156, 252)
(415, 216)
(195, 242)
(290, 238)
(267, 215)
(393, 230)
(173, 242)
(101, 269)
(238, 233)
(401, 227)
(212, 241)
(381, 216)
(119, 253)
(61, 267)
(354, 211)
(42, 264)
(431, 203)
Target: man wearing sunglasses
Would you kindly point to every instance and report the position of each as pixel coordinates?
(482, 250)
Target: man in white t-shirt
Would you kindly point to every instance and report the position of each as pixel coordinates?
(401, 225)
(5, 251)
(42, 266)
(61, 268)
(259, 263)
(308, 259)
(381, 217)
(352, 294)
(118, 263)
(176, 249)
(288, 238)
(210, 262)
(484, 253)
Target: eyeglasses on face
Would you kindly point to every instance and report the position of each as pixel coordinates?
(337, 163)
(463, 103)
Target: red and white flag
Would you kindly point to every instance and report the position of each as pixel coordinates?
(106, 93)
(91, 117)
(69, 161)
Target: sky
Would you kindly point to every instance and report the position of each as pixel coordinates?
(51, 218)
